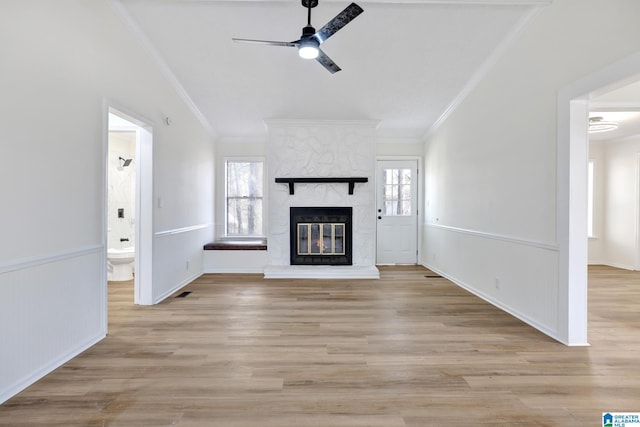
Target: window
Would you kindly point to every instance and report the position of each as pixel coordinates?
(590, 198)
(244, 198)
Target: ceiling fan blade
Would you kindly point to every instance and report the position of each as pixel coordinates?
(266, 42)
(327, 63)
(342, 19)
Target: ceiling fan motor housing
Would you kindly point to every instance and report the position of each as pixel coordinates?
(309, 3)
(307, 32)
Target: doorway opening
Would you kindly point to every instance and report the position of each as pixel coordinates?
(572, 194)
(128, 221)
(616, 192)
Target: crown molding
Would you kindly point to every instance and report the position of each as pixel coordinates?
(139, 35)
(483, 70)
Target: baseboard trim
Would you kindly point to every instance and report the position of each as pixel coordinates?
(176, 288)
(235, 271)
(615, 265)
(515, 313)
(48, 368)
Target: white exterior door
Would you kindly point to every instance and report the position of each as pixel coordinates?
(397, 211)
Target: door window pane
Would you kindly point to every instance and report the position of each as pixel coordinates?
(396, 192)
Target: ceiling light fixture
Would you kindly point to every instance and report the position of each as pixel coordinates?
(308, 48)
(598, 124)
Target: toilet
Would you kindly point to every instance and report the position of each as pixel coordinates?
(120, 264)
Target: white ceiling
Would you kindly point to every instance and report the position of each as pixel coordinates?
(404, 63)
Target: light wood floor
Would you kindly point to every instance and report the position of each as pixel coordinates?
(406, 350)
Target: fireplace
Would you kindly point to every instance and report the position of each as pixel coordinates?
(320, 235)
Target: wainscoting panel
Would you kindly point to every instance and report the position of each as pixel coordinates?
(50, 311)
(515, 275)
(178, 258)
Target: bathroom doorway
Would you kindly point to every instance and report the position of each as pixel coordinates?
(128, 218)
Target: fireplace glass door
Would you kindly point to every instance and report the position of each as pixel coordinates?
(321, 238)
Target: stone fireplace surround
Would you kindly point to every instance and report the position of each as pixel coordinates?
(321, 149)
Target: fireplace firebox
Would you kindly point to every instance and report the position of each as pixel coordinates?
(321, 235)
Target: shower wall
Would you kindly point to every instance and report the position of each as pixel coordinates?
(122, 190)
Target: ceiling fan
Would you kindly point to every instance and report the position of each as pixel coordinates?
(309, 43)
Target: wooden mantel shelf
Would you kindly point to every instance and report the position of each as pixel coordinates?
(349, 180)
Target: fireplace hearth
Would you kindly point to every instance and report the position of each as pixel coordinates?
(321, 235)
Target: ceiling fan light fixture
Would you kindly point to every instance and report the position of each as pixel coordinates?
(309, 43)
(598, 124)
(308, 49)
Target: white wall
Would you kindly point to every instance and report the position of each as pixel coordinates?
(64, 59)
(616, 237)
(490, 169)
(400, 147)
